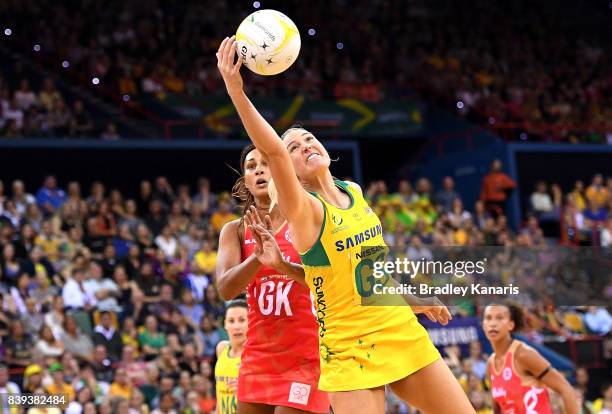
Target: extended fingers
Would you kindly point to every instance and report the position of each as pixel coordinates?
(268, 222)
(221, 52)
(230, 50)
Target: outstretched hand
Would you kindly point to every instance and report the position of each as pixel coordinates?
(266, 249)
(434, 309)
(229, 70)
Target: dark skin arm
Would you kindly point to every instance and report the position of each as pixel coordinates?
(233, 274)
(267, 250)
(530, 362)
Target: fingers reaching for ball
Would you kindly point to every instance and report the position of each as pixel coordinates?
(229, 70)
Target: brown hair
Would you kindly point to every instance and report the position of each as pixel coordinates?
(240, 190)
(517, 314)
(295, 126)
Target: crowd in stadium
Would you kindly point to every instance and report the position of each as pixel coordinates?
(492, 64)
(44, 113)
(112, 300)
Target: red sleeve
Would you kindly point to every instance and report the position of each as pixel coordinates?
(509, 182)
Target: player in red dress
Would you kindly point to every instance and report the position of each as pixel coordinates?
(520, 376)
(279, 371)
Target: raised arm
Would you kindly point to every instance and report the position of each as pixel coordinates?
(233, 275)
(296, 205)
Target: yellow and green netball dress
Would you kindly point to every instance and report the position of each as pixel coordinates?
(226, 378)
(360, 346)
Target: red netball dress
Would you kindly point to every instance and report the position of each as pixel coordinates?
(280, 361)
(517, 394)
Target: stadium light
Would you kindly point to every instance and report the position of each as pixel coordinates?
(95, 81)
(339, 45)
(65, 64)
(126, 98)
(36, 48)
(460, 105)
(256, 4)
(8, 32)
(312, 32)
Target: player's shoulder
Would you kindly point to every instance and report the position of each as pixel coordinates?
(232, 226)
(354, 186)
(221, 346)
(525, 355)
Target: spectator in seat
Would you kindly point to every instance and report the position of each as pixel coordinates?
(48, 346)
(594, 215)
(59, 118)
(206, 258)
(59, 385)
(81, 124)
(121, 386)
(222, 216)
(603, 405)
(24, 97)
(74, 293)
(495, 187)
(596, 194)
(50, 198)
(106, 335)
(606, 233)
(447, 195)
(541, 202)
(151, 340)
(49, 96)
(110, 132)
(578, 195)
(76, 342)
(15, 114)
(21, 198)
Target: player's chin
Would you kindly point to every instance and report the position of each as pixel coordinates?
(317, 165)
(260, 191)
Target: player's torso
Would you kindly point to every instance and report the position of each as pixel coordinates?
(339, 271)
(514, 393)
(281, 319)
(226, 377)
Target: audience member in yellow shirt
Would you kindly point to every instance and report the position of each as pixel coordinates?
(222, 216)
(59, 386)
(121, 387)
(206, 258)
(48, 241)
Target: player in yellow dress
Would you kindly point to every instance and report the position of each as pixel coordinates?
(362, 348)
(228, 356)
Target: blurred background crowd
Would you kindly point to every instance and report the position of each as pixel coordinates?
(110, 298)
(535, 65)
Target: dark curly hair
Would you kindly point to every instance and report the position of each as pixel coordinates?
(517, 314)
(240, 190)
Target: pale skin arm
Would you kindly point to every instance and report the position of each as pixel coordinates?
(301, 210)
(220, 347)
(531, 362)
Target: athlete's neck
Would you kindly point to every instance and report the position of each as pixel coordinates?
(324, 185)
(263, 208)
(236, 349)
(502, 345)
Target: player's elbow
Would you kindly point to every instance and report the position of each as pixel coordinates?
(226, 292)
